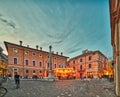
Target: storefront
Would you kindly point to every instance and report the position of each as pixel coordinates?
(64, 73)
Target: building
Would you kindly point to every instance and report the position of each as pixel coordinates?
(29, 61)
(89, 64)
(115, 40)
(110, 68)
(64, 73)
(3, 63)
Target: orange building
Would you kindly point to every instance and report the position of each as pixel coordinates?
(89, 64)
(29, 61)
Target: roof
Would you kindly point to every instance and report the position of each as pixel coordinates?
(6, 45)
(89, 52)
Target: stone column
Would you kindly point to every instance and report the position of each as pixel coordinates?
(50, 60)
(50, 76)
(117, 54)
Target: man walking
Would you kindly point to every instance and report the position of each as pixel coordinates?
(17, 80)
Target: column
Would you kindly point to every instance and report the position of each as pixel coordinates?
(50, 60)
(118, 59)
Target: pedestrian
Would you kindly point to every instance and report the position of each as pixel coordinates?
(17, 80)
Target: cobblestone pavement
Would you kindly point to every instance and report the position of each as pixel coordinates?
(61, 88)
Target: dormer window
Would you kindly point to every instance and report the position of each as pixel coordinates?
(15, 50)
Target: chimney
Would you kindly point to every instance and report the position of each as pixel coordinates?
(85, 51)
(41, 48)
(61, 53)
(27, 45)
(37, 47)
(20, 43)
(57, 53)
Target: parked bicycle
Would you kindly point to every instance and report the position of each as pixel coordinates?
(3, 91)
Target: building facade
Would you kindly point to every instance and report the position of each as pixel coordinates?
(28, 61)
(89, 64)
(115, 40)
(110, 68)
(3, 63)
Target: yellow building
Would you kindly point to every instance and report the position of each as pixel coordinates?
(3, 63)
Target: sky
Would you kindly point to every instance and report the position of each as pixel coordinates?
(70, 26)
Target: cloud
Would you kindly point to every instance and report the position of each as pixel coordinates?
(11, 24)
(0, 14)
(73, 50)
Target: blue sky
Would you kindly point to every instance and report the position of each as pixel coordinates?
(70, 26)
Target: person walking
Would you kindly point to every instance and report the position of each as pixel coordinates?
(17, 80)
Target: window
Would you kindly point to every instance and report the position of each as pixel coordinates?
(40, 55)
(26, 52)
(40, 71)
(15, 50)
(33, 63)
(15, 61)
(48, 65)
(81, 67)
(99, 66)
(40, 64)
(33, 71)
(27, 71)
(89, 66)
(80, 60)
(55, 66)
(26, 62)
(74, 62)
(73, 68)
(89, 58)
(33, 54)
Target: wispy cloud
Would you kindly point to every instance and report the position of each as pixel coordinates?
(73, 50)
(70, 26)
(11, 24)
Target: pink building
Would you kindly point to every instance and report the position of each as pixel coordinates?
(88, 64)
(29, 61)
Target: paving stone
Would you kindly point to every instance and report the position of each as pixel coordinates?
(61, 88)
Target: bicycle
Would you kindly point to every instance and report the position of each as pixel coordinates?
(3, 91)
